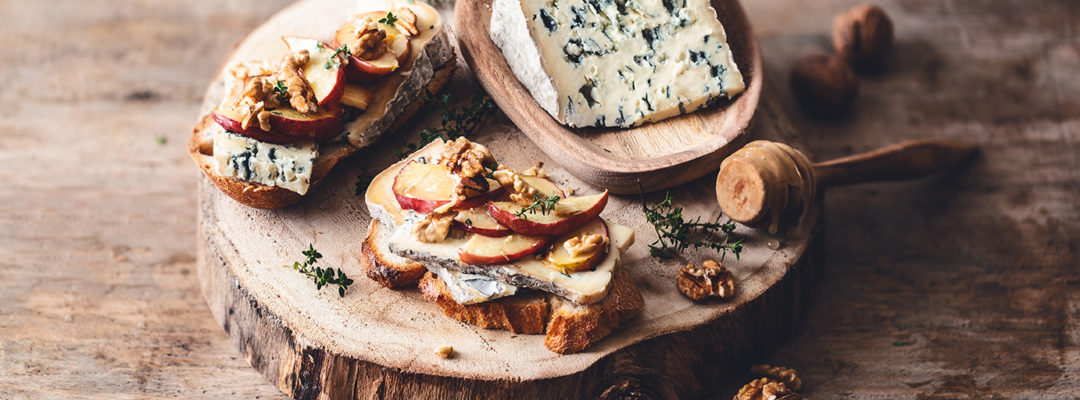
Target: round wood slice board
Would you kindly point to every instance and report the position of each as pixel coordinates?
(649, 157)
(377, 342)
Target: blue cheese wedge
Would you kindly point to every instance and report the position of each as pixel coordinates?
(285, 166)
(616, 63)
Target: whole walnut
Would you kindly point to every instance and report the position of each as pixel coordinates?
(863, 36)
(824, 85)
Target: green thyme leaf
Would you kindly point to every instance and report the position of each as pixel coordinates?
(389, 19)
(543, 205)
(456, 122)
(675, 234)
(322, 276)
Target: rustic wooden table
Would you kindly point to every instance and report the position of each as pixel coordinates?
(961, 286)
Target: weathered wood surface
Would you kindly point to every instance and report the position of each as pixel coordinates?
(625, 160)
(962, 286)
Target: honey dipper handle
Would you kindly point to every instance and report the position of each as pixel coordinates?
(904, 160)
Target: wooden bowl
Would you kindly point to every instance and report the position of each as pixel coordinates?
(650, 157)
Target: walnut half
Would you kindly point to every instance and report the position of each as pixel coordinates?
(766, 389)
(433, 228)
(585, 244)
(711, 280)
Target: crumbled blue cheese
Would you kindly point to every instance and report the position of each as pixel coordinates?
(285, 166)
(616, 63)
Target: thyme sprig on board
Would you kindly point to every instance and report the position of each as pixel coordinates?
(675, 234)
(456, 122)
(544, 205)
(322, 276)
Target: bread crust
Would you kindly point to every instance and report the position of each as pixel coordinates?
(271, 197)
(570, 327)
(385, 268)
(574, 327)
(521, 313)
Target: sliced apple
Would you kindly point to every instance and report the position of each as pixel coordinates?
(477, 220)
(424, 187)
(543, 185)
(363, 70)
(356, 96)
(324, 70)
(286, 125)
(230, 122)
(322, 125)
(480, 249)
(561, 259)
(570, 213)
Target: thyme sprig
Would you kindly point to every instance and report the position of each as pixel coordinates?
(389, 19)
(457, 122)
(322, 276)
(544, 205)
(675, 234)
(334, 60)
(281, 91)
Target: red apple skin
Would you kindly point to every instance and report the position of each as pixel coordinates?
(361, 71)
(252, 131)
(502, 232)
(322, 125)
(333, 97)
(478, 259)
(421, 206)
(560, 227)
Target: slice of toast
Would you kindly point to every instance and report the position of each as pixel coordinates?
(383, 266)
(520, 313)
(574, 327)
(432, 69)
(570, 327)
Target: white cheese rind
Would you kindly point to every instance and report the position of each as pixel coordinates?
(616, 63)
(472, 288)
(285, 166)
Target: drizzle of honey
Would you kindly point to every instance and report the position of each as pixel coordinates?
(783, 169)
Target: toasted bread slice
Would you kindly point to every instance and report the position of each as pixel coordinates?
(570, 327)
(389, 269)
(574, 327)
(520, 313)
(430, 71)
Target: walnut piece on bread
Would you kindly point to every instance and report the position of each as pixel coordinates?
(710, 280)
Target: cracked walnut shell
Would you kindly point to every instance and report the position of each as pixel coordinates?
(766, 389)
(711, 280)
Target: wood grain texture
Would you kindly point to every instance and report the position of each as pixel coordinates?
(650, 157)
(973, 272)
(378, 342)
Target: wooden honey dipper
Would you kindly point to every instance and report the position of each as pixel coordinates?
(766, 182)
